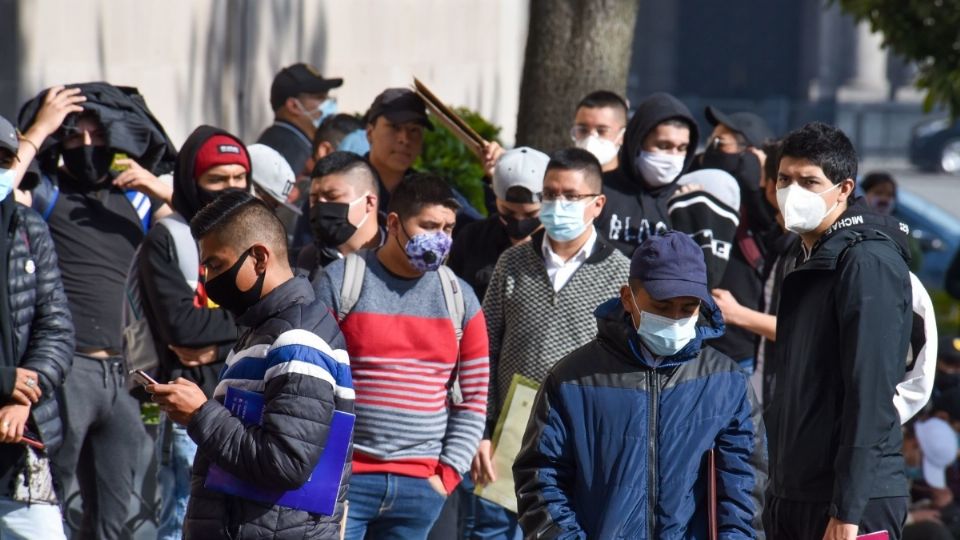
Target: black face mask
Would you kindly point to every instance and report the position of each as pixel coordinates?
(223, 289)
(745, 166)
(88, 164)
(518, 229)
(329, 223)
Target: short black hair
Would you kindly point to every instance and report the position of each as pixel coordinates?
(577, 159)
(345, 162)
(826, 147)
(603, 98)
(334, 129)
(771, 167)
(875, 178)
(240, 220)
(419, 190)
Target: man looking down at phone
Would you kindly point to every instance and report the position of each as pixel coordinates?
(36, 354)
(292, 352)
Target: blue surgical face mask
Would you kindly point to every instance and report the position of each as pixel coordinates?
(662, 335)
(563, 220)
(7, 176)
(327, 108)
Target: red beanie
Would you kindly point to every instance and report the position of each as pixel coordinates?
(220, 150)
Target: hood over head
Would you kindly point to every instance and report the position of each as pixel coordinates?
(651, 112)
(186, 200)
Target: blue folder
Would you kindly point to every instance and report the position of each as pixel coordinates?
(319, 494)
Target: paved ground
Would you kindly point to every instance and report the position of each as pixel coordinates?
(940, 189)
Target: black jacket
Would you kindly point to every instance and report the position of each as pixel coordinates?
(42, 326)
(287, 139)
(475, 252)
(633, 209)
(282, 451)
(171, 306)
(845, 320)
(130, 127)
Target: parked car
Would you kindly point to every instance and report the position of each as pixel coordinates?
(936, 231)
(935, 146)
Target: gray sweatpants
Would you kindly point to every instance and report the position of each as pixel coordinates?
(102, 436)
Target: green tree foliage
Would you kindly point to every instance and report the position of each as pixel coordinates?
(924, 31)
(444, 154)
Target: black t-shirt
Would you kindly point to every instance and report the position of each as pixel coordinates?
(475, 252)
(95, 234)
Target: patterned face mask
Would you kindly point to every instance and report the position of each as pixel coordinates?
(427, 251)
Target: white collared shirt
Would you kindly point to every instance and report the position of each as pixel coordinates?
(560, 271)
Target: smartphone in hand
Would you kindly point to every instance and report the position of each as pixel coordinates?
(141, 377)
(32, 440)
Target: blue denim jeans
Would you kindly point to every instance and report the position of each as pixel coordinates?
(22, 521)
(173, 477)
(391, 507)
(484, 520)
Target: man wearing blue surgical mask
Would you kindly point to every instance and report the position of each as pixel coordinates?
(300, 100)
(617, 440)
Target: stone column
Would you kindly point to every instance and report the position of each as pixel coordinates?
(868, 80)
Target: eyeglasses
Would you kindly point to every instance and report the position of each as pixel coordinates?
(578, 133)
(549, 196)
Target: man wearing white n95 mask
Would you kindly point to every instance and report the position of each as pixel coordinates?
(843, 332)
(599, 125)
(658, 146)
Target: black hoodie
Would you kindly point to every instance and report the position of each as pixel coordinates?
(633, 208)
(179, 315)
(844, 325)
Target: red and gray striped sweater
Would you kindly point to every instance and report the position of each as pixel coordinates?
(403, 350)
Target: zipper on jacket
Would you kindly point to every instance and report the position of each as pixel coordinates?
(654, 390)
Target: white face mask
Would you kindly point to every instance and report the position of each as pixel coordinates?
(659, 168)
(604, 150)
(803, 210)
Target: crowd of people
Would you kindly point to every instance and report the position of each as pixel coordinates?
(726, 337)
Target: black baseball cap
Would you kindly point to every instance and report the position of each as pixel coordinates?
(299, 79)
(8, 136)
(751, 126)
(399, 105)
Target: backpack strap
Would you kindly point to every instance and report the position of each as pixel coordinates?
(45, 196)
(354, 268)
(453, 296)
(188, 256)
(142, 206)
(456, 308)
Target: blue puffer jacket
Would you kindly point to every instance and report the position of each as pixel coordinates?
(616, 443)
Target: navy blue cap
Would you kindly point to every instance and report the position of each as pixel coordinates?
(671, 265)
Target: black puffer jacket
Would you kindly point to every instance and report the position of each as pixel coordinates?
(283, 450)
(42, 327)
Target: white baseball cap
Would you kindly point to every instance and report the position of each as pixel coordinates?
(272, 174)
(938, 442)
(521, 167)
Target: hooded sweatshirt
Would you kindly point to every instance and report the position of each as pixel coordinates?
(634, 209)
(845, 323)
(178, 313)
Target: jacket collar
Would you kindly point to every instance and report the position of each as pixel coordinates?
(296, 290)
(616, 328)
(856, 224)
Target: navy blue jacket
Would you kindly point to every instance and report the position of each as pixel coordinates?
(616, 443)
